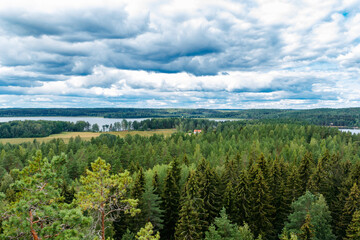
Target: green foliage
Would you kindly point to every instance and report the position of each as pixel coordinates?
(171, 200)
(352, 204)
(353, 230)
(261, 210)
(105, 194)
(147, 233)
(223, 229)
(152, 211)
(307, 229)
(39, 211)
(313, 209)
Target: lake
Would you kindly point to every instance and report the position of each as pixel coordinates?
(353, 131)
(92, 120)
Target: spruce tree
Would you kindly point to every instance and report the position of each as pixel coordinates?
(293, 186)
(137, 191)
(151, 210)
(171, 201)
(242, 204)
(156, 184)
(352, 205)
(260, 216)
(223, 229)
(279, 201)
(305, 170)
(353, 230)
(188, 226)
(209, 193)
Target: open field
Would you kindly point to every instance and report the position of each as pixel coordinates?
(86, 135)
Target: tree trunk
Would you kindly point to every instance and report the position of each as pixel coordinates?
(33, 232)
(103, 224)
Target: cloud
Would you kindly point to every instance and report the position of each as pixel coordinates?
(216, 54)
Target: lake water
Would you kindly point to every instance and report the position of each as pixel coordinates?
(92, 120)
(353, 131)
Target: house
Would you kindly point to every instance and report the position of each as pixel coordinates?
(196, 131)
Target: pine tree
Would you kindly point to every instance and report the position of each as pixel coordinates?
(353, 230)
(315, 206)
(147, 233)
(39, 211)
(105, 195)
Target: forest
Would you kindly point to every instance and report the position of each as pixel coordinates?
(343, 117)
(42, 128)
(246, 180)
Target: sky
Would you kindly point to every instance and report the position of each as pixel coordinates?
(180, 53)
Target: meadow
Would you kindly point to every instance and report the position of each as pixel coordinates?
(86, 135)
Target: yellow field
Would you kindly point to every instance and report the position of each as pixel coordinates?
(86, 135)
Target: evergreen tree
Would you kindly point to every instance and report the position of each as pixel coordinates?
(245, 232)
(104, 194)
(128, 235)
(260, 219)
(318, 211)
(242, 195)
(135, 222)
(352, 205)
(152, 211)
(353, 230)
(293, 187)
(209, 193)
(230, 201)
(306, 230)
(223, 229)
(171, 200)
(156, 184)
(305, 171)
(39, 213)
(139, 185)
(147, 233)
(188, 226)
(279, 201)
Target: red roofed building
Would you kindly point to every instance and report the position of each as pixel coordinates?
(196, 131)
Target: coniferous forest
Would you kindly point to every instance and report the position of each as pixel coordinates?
(242, 180)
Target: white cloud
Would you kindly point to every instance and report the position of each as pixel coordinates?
(225, 54)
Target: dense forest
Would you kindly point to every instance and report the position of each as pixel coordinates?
(235, 180)
(345, 117)
(41, 128)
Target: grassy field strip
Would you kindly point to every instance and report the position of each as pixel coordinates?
(86, 135)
